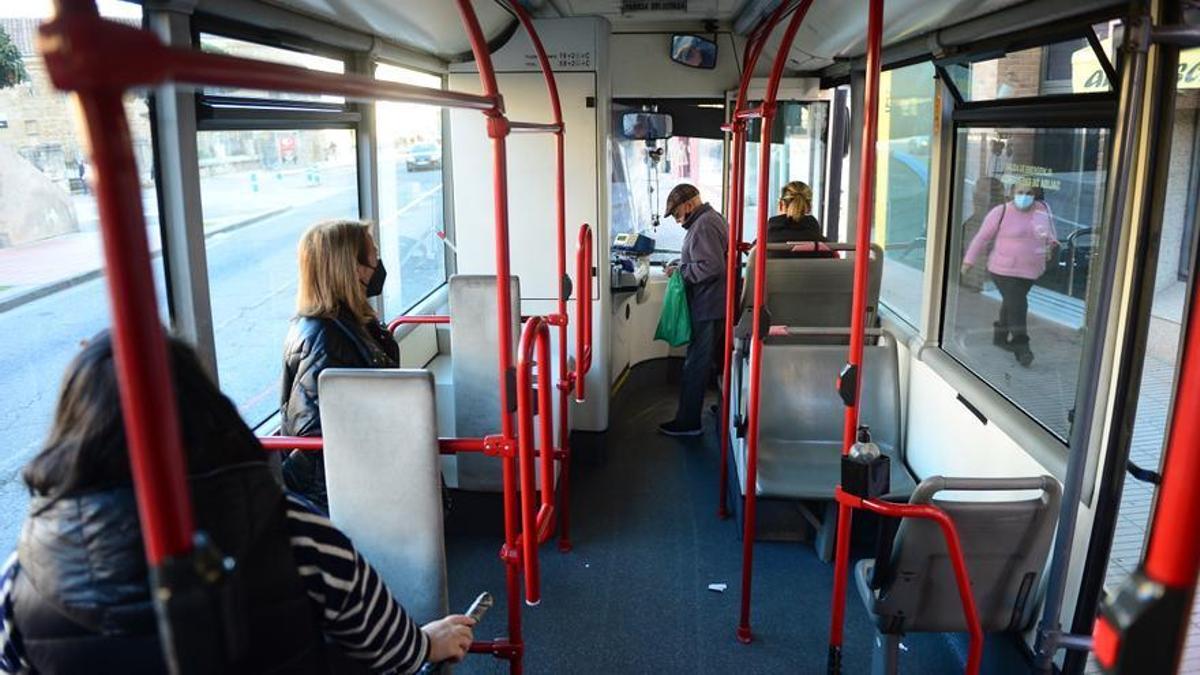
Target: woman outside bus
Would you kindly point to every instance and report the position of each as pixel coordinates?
(75, 597)
(795, 222)
(1023, 238)
(335, 327)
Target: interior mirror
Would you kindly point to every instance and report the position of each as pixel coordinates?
(694, 51)
(646, 126)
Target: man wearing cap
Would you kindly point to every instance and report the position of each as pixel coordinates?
(702, 264)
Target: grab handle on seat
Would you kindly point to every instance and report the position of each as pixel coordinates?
(416, 318)
(583, 310)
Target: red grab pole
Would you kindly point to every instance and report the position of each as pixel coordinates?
(764, 173)
(497, 129)
(1143, 626)
(139, 348)
(583, 311)
(561, 318)
(737, 177)
(853, 369)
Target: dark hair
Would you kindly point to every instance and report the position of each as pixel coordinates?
(86, 449)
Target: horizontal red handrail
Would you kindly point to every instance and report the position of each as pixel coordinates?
(953, 547)
(748, 114)
(143, 61)
(310, 443)
(416, 318)
(446, 446)
(583, 311)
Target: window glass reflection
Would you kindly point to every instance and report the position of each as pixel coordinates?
(1027, 205)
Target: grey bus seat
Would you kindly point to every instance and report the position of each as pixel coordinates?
(383, 478)
(1005, 545)
(474, 367)
(812, 292)
(801, 416)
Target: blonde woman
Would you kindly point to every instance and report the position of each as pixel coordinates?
(335, 327)
(795, 221)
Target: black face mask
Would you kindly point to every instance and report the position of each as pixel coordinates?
(375, 283)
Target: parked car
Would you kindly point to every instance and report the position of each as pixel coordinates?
(424, 156)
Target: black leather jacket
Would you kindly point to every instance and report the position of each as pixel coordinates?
(81, 598)
(314, 344)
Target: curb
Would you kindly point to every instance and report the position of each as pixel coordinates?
(39, 292)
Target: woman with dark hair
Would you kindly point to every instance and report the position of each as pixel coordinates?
(335, 327)
(75, 597)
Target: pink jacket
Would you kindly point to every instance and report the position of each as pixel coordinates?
(1022, 239)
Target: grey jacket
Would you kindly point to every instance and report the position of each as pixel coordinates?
(702, 263)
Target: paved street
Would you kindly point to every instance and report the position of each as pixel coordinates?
(252, 273)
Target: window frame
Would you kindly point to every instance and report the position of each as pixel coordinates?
(1096, 110)
(241, 113)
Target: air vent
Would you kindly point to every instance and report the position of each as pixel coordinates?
(653, 6)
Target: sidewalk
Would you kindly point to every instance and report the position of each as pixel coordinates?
(35, 270)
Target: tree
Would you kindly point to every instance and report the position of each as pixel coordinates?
(12, 68)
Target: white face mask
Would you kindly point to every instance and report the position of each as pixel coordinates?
(1023, 201)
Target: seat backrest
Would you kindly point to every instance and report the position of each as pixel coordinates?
(475, 367)
(1004, 543)
(813, 292)
(800, 401)
(383, 475)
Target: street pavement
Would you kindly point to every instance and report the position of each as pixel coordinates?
(252, 278)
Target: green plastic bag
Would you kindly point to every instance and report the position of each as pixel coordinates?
(675, 322)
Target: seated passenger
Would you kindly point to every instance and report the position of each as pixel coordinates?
(75, 597)
(795, 222)
(335, 327)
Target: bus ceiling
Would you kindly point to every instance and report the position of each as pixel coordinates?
(829, 44)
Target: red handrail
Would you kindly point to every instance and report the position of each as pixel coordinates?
(534, 524)
(764, 173)
(560, 318)
(1159, 596)
(953, 548)
(417, 319)
(583, 311)
(866, 207)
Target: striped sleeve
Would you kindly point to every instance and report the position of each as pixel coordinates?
(358, 611)
(12, 654)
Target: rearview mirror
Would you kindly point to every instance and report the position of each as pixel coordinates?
(646, 126)
(693, 51)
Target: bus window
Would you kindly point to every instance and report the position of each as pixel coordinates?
(907, 97)
(1026, 205)
(797, 153)
(52, 290)
(260, 190)
(411, 214)
(1060, 68)
(650, 169)
(221, 44)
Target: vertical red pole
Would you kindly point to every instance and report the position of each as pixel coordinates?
(139, 347)
(866, 207)
(1173, 555)
(497, 128)
(744, 633)
(562, 319)
(732, 263)
(737, 197)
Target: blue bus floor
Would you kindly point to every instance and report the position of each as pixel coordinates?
(632, 597)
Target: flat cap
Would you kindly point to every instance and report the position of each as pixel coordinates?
(681, 194)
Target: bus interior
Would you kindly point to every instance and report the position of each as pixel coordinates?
(886, 478)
